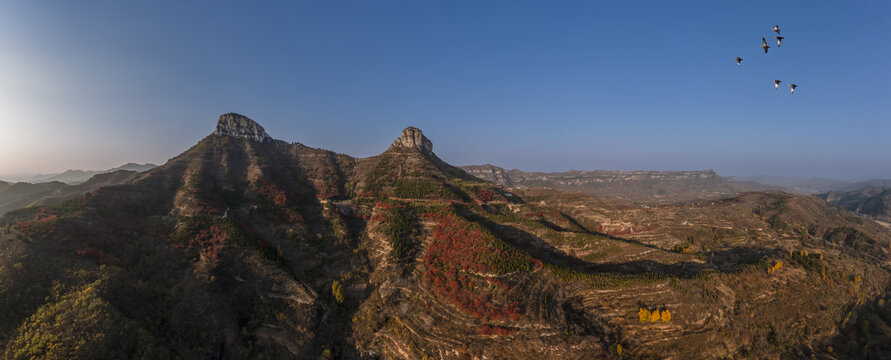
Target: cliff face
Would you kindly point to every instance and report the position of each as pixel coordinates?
(413, 138)
(639, 186)
(240, 126)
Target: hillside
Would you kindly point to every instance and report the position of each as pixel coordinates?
(248, 247)
(18, 195)
(874, 202)
(655, 187)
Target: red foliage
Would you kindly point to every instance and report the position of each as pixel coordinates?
(485, 194)
(458, 250)
(325, 195)
(210, 241)
(270, 191)
(499, 283)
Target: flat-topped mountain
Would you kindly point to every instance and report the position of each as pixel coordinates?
(247, 247)
(638, 186)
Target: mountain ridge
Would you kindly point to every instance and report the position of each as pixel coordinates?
(643, 186)
(240, 247)
(74, 176)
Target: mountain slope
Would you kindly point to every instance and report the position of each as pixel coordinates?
(19, 195)
(657, 187)
(871, 201)
(248, 247)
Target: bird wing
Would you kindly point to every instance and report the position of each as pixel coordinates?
(763, 41)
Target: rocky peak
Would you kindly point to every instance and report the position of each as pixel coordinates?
(237, 125)
(413, 138)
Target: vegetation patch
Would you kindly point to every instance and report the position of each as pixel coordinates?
(606, 280)
(462, 250)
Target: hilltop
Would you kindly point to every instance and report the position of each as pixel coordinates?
(244, 246)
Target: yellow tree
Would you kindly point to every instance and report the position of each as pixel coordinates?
(644, 315)
(654, 316)
(337, 291)
(666, 316)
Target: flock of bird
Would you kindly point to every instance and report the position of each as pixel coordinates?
(765, 47)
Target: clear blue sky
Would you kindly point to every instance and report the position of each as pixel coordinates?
(545, 85)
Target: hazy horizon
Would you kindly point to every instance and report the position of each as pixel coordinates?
(538, 87)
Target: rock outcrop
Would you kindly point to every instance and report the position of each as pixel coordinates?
(237, 125)
(413, 138)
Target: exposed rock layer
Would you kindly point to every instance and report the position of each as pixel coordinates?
(413, 138)
(240, 126)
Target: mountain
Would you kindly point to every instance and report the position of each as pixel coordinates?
(871, 201)
(872, 183)
(657, 187)
(797, 184)
(74, 177)
(244, 246)
(22, 194)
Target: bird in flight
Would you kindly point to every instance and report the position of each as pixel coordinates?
(793, 86)
(776, 28)
(776, 84)
(779, 40)
(764, 45)
(738, 61)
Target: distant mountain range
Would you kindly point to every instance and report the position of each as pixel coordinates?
(637, 186)
(814, 185)
(23, 194)
(74, 177)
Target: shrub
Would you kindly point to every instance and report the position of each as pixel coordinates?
(461, 249)
(644, 315)
(397, 228)
(337, 291)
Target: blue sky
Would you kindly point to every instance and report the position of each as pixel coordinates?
(545, 85)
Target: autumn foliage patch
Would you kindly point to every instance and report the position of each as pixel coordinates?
(263, 187)
(462, 250)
